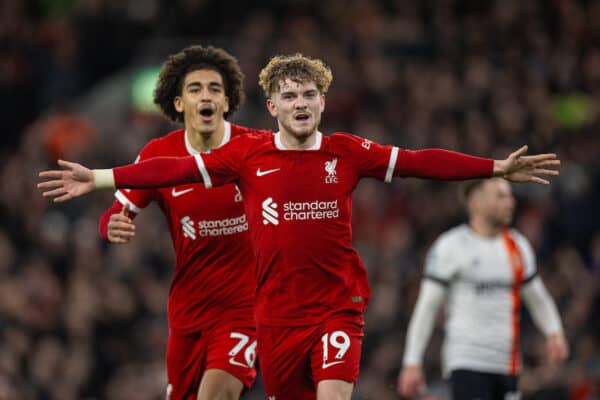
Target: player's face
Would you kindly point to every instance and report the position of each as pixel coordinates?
(202, 101)
(498, 203)
(297, 107)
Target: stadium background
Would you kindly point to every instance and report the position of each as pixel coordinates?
(83, 320)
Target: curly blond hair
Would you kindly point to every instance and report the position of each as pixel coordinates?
(297, 68)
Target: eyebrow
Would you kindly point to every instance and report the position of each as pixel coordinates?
(309, 91)
(212, 83)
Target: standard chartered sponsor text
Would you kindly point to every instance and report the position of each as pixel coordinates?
(304, 210)
(219, 227)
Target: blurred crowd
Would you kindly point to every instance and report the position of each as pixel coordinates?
(80, 319)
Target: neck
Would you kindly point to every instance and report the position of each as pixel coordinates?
(205, 141)
(291, 141)
(484, 228)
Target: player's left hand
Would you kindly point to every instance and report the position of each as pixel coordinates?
(521, 168)
(72, 181)
(557, 348)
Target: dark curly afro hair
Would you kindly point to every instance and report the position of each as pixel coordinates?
(193, 58)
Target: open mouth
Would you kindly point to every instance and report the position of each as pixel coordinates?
(206, 114)
(301, 117)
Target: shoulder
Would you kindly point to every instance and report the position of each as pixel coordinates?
(443, 258)
(348, 140)
(451, 241)
(454, 236)
(521, 240)
(251, 140)
(239, 130)
(164, 144)
(344, 142)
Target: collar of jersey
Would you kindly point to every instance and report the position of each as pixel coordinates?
(226, 137)
(279, 144)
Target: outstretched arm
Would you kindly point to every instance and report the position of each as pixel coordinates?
(75, 180)
(452, 165)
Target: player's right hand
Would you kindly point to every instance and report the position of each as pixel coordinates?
(411, 382)
(72, 181)
(120, 227)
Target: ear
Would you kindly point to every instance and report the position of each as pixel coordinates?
(178, 103)
(272, 108)
(322, 102)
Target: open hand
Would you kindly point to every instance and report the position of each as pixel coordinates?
(521, 168)
(72, 181)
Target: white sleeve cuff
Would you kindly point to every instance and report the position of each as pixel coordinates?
(103, 179)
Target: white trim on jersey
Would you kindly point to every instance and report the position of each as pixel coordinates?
(279, 144)
(226, 138)
(203, 171)
(124, 200)
(390, 171)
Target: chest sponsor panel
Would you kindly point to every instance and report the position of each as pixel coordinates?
(193, 229)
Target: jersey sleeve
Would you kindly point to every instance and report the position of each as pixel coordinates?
(441, 164)
(370, 159)
(441, 264)
(138, 199)
(224, 165)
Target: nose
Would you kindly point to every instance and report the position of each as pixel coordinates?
(300, 103)
(205, 95)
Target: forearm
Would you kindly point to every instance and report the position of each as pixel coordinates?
(442, 164)
(420, 327)
(542, 307)
(151, 173)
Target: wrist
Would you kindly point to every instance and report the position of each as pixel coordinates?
(103, 179)
(409, 362)
(499, 170)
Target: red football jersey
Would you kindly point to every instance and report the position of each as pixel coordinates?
(214, 275)
(299, 206)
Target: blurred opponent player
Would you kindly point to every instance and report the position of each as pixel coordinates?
(484, 270)
(211, 344)
(297, 186)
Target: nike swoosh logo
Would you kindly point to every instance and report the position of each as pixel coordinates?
(269, 171)
(327, 365)
(233, 362)
(175, 193)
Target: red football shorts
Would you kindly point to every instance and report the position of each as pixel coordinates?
(293, 360)
(231, 348)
